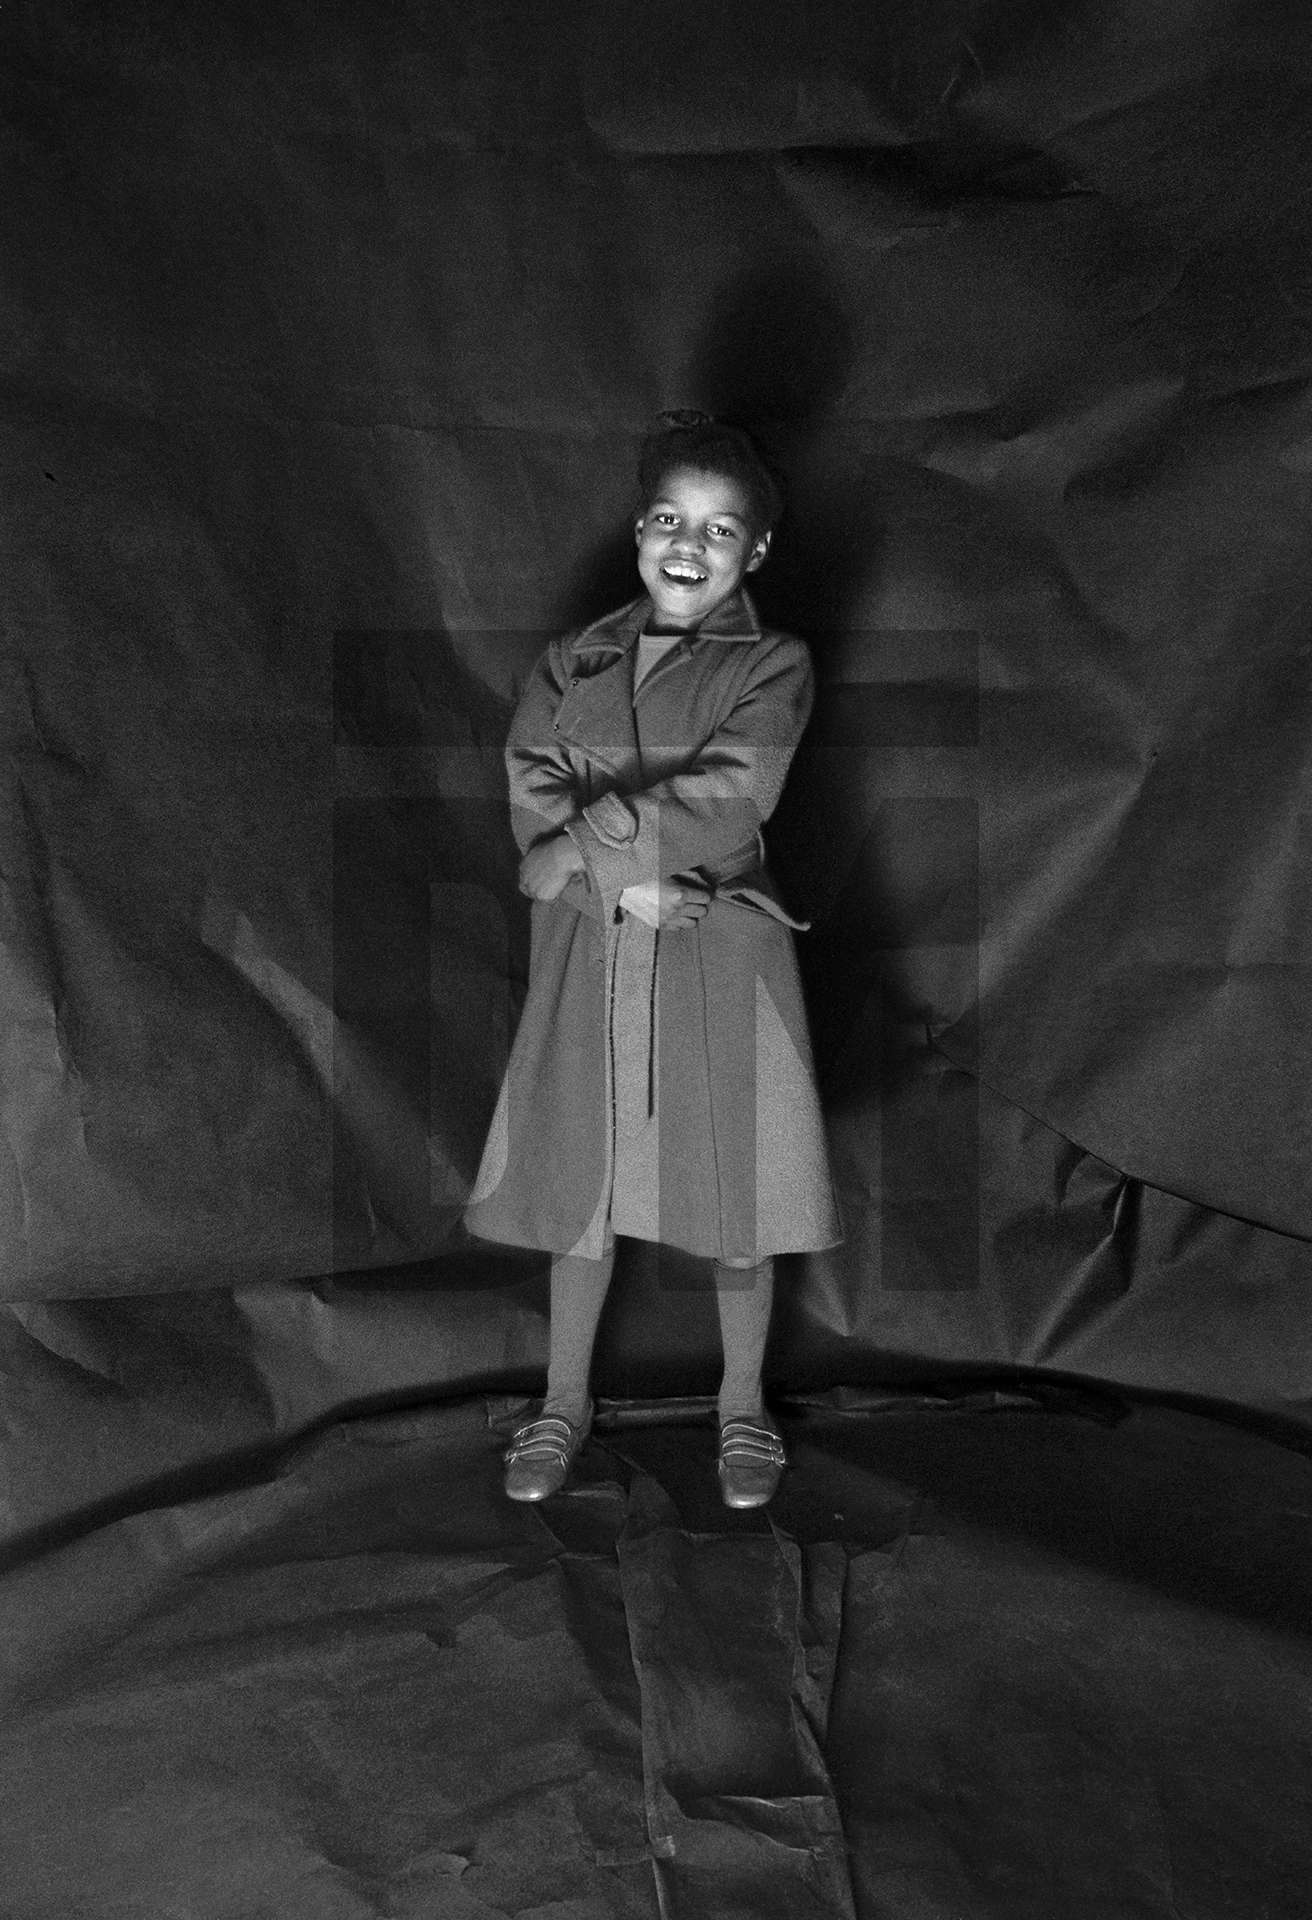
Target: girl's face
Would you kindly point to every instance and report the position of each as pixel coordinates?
(695, 543)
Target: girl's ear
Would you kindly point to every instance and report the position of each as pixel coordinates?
(638, 519)
(760, 547)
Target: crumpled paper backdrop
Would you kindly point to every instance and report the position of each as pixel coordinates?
(330, 335)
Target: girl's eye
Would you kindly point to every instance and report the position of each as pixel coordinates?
(666, 519)
(725, 532)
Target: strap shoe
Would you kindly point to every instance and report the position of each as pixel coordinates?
(752, 1459)
(541, 1453)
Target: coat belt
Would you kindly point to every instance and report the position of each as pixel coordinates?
(744, 859)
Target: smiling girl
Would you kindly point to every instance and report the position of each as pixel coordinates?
(661, 1084)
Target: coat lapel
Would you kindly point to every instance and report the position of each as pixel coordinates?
(596, 711)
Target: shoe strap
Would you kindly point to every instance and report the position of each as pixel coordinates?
(551, 1434)
(744, 1439)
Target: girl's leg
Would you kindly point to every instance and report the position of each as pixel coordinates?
(578, 1293)
(744, 1295)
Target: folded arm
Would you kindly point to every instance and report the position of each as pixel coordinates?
(694, 817)
(708, 809)
(543, 784)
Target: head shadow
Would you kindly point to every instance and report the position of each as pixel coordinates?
(776, 354)
(772, 352)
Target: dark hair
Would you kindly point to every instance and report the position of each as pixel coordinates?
(697, 440)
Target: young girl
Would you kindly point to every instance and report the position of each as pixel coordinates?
(660, 1083)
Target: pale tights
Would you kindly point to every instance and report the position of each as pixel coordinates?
(744, 1296)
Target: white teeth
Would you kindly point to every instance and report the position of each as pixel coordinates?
(690, 574)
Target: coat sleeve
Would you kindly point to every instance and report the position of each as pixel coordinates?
(720, 799)
(543, 785)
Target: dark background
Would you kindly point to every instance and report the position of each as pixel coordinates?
(330, 332)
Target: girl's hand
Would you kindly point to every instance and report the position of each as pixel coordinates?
(667, 903)
(547, 869)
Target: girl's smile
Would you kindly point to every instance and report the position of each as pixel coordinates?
(695, 543)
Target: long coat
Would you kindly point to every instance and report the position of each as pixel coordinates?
(661, 1082)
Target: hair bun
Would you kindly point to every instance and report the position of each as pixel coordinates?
(685, 417)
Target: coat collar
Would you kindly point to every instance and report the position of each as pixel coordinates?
(596, 711)
(617, 632)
